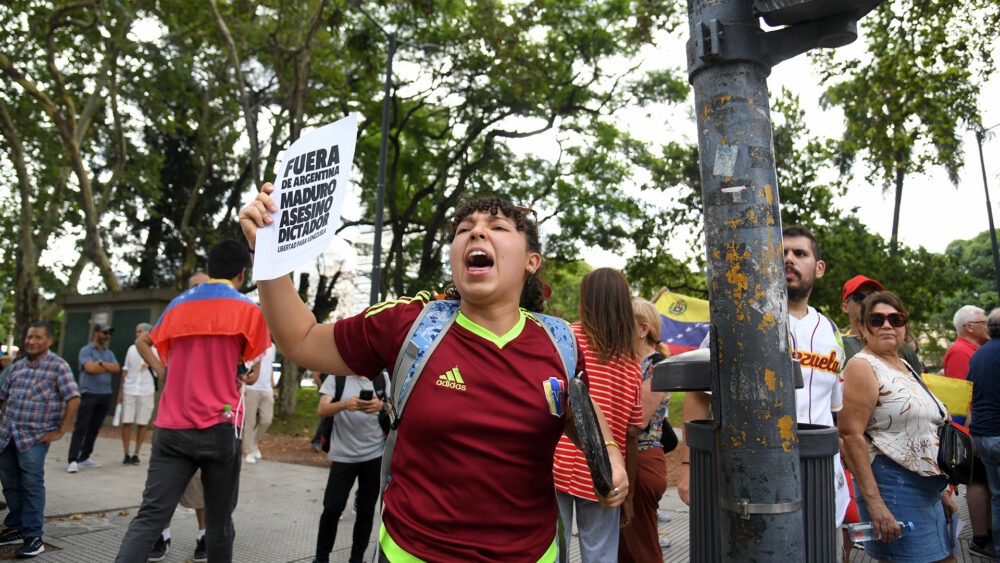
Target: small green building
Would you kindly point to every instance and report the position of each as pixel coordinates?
(122, 310)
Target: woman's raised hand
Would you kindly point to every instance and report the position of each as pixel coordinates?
(258, 214)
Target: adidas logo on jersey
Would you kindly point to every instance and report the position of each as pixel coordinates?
(452, 379)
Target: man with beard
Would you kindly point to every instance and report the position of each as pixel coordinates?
(818, 348)
(817, 345)
(97, 365)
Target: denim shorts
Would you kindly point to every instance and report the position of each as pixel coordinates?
(910, 498)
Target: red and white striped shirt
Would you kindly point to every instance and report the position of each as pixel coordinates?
(615, 387)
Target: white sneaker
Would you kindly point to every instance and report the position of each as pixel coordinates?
(72, 467)
(89, 463)
(250, 458)
(662, 516)
(664, 541)
(256, 454)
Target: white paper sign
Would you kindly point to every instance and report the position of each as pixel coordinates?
(309, 190)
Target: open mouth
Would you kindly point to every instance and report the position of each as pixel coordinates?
(478, 262)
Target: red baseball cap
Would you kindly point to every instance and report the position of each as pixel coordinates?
(857, 283)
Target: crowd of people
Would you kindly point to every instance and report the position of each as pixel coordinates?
(487, 464)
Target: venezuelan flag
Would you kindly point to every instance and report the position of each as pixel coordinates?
(683, 321)
(212, 308)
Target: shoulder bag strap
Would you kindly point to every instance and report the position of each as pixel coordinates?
(920, 380)
(563, 338)
(423, 337)
(434, 321)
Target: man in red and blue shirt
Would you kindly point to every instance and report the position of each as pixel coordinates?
(202, 335)
(41, 403)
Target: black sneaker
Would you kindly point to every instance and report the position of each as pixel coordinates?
(983, 550)
(32, 546)
(200, 554)
(135, 459)
(10, 536)
(127, 460)
(3, 505)
(160, 549)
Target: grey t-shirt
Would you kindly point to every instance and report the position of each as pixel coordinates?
(97, 383)
(356, 436)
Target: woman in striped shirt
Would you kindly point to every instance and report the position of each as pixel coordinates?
(605, 334)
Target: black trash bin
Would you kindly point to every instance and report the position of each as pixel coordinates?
(817, 445)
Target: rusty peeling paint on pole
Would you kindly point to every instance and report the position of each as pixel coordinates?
(754, 395)
(786, 424)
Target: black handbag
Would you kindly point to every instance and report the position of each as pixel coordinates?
(955, 451)
(955, 454)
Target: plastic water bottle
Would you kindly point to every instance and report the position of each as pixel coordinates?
(227, 415)
(863, 531)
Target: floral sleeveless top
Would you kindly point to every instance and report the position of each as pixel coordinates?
(905, 420)
(650, 435)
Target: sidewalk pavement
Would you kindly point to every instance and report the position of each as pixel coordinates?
(276, 519)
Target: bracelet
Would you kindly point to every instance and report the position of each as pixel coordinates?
(250, 249)
(685, 463)
(612, 443)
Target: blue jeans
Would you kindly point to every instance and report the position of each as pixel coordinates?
(23, 477)
(911, 498)
(989, 451)
(175, 456)
(598, 527)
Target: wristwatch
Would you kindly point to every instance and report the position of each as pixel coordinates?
(385, 407)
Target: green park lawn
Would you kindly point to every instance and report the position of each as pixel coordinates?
(302, 424)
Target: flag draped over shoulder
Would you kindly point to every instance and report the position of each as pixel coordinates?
(683, 321)
(213, 308)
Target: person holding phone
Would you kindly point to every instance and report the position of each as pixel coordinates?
(356, 444)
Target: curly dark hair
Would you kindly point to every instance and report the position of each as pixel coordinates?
(532, 297)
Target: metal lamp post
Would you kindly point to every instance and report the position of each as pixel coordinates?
(980, 134)
(757, 484)
(383, 150)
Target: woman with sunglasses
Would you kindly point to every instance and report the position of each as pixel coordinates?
(889, 429)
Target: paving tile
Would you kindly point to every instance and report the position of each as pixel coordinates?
(276, 518)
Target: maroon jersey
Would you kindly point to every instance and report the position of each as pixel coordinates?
(472, 468)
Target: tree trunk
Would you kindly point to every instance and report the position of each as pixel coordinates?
(249, 111)
(150, 250)
(26, 253)
(894, 241)
(288, 388)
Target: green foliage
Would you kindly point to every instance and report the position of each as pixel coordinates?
(500, 73)
(302, 423)
(905, 106)
(916, 275)
(564, 278)
(675, 412)
(973, 258)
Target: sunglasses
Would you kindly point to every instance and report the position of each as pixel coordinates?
(857, 297)
(876, 320)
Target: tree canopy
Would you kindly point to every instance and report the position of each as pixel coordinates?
(905, 108)
(136, 130)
